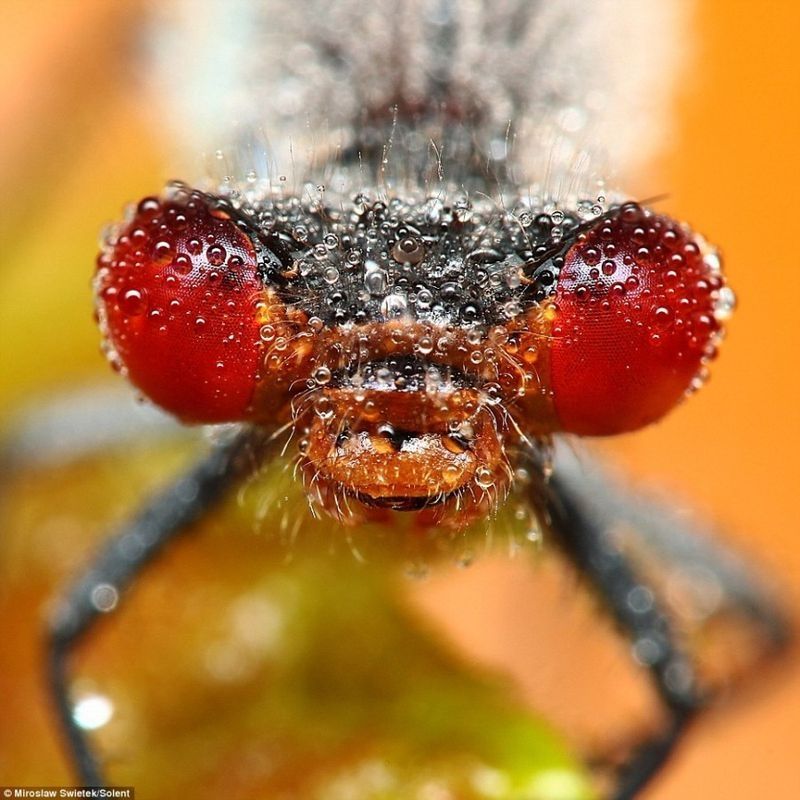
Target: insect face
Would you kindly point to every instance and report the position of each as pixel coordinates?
(404, 434)
(411, 346)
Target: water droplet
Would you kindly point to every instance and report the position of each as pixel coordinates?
(713, 262)
(394, 305)
(92, 712)
(105, 597)
(462, 210)
(150, 205)
(530, 354)
(451, 473)
(725, 304)
(182, 264)
(162, 251)
(591, 256)
(408, 251)
(662, 317)
(376, 280)
(424, 299)
(322, 375)
(134, 302)
(640, 599)
(647, 651)
(514, 278)
(425, 345)
(484, 478)
(323, 408)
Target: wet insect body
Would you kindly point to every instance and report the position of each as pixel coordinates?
(423, 319)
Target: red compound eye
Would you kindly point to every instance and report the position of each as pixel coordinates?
(177, 295)
(635, 320)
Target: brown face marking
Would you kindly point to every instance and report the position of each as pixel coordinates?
(423, 422)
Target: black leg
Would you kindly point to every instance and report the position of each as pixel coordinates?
(80, 423)
(677, 541)
(588, 543)
(115, 567)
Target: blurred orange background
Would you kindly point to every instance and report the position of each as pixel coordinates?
(76, 148)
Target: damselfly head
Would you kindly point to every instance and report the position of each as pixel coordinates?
(414, 346)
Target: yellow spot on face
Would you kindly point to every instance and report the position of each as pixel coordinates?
(382, 445)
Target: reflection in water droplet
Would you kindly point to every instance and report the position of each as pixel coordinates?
(376, 281)
(134, 303)
(322, 375)
(394, 305)
(93, 712)
(484, 478)
(323, 408)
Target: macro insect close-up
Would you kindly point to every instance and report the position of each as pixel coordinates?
(388, 493)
